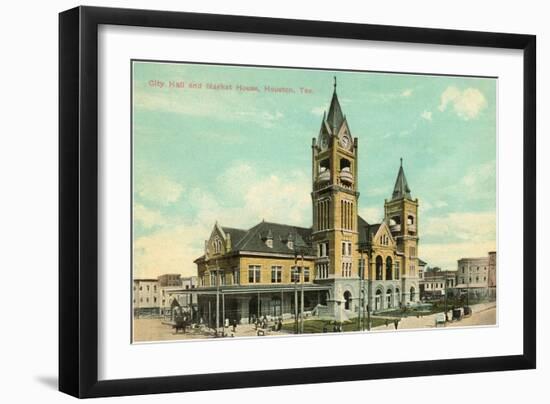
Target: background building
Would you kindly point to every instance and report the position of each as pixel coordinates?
(478, 275)
(492, 274)
(158, 296)
(146, 297)
(473, 273)
(435, 283)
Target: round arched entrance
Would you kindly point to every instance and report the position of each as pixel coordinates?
(389, 298)
(347, 298)
(412, 296)
(378, 300)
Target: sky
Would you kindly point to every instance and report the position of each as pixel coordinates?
(217, 146)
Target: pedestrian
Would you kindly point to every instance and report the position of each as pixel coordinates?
(234, 325)
(179, 321)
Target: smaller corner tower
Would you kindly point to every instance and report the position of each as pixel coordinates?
(401, 215)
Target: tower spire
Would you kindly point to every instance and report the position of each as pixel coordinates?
(401, 188)
(335, 117)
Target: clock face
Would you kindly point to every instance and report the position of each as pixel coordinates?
(345, 141)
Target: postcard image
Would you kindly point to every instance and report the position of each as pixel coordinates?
(278, 202)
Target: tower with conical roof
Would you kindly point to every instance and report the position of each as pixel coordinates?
(334, 196)
(401, 215)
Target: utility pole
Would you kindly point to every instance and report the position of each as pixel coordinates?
(223, 315)
(217, 298)
(370, 289)
(303, 272)
(361, 289)
(445, 291)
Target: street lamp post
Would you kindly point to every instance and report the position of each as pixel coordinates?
(361, 289)
(294, 273)
(364, 267)
(369, 281)
(217, 298)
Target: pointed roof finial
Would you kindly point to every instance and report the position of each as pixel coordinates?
(335, 117)
(401, 188)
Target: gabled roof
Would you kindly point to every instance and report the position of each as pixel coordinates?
(366, 231)
(362, 228)
(254, 238)
(236, 234)
(401, 188)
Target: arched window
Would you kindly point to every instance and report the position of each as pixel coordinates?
(412, 296)
(389, 269)
(379, 265)
(347, 298)
(217, 246)
(344, 163)
(389, 298)
(378, 300)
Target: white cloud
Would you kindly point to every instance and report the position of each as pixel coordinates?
(148, 218)
(427, 205)
(407, 93)
(467, 104)
(278, 197)
(169, 250)
(372, 214)
(446, 255)
(319, 111)
(158, 189)
(209, 104)
(461, 227)
(427, 115)
(244, 197)
(480, 181)
(462, 235)
(263, 118)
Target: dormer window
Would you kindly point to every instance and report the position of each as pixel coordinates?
(268, 239)
(289, 241)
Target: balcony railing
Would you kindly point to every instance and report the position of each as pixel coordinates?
(346, 177)
(324, 176)
(395, 228)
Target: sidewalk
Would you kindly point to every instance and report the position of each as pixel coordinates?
(482, 314)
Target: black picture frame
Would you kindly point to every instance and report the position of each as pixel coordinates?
(78, 200)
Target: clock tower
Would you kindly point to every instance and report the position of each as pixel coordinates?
(334, 197)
